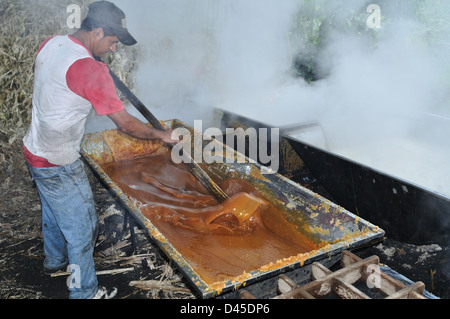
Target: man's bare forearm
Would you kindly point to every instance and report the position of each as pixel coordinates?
(130, 125)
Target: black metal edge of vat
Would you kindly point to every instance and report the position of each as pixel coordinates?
(203, 289)
(407, 212)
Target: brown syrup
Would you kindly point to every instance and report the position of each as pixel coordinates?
(219, 241)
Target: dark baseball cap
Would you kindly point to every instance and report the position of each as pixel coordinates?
(107, 14)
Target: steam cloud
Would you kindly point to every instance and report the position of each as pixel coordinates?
(382, 98)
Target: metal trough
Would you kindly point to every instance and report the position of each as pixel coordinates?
(339, 228)
(407, 212)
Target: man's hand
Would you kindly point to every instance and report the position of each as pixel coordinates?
(167, 138)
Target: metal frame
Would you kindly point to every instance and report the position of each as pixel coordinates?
(341, 283)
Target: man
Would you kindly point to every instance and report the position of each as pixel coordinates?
(68, 83)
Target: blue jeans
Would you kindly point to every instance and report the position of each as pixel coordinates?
(69, 224)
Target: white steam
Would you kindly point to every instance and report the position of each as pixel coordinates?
(383, 99)
(201, 54)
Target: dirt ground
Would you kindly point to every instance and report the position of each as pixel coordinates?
(21, 250)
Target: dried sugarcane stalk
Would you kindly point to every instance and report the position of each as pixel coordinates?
(99, 273)
(157, 285)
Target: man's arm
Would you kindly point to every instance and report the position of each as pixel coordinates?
(92, 81)
(130, 125)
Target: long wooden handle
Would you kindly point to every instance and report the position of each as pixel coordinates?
(193, 167)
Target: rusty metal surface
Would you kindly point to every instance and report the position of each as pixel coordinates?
(340, 229)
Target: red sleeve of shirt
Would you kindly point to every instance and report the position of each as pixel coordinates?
(91, 80)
